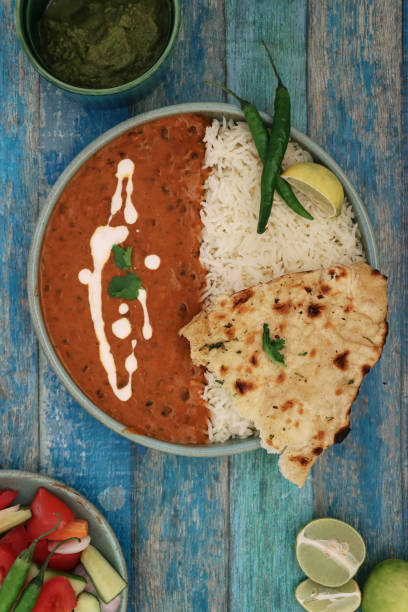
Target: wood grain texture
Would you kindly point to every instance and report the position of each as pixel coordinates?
(218, 534)
(180, 533)
(18, 208)
(355, 105)
(266, 511)
(180, 555)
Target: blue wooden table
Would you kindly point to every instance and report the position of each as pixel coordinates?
(218, 534)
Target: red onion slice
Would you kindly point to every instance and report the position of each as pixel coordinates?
(72, 547)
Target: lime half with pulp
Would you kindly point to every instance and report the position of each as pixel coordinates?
(314, 597)
(329, 551)
(318, 184)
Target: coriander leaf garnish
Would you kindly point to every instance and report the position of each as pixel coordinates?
(302, 354)
(272, 347)
(122, 257)
(126, 287)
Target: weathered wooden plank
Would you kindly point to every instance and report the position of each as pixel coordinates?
(180, 526)
(266, 511)
(75, 447)
(181, 532)
(354, 112)
(404, 280)
(18, 206)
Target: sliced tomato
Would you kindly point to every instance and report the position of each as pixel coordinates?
(7, 496)
(77, 528)
(44, 507)
(16, 539)
(56, 594)
(64, 563)
(7, 558)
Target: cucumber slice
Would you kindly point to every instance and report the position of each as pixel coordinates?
(88, 603)
(78, 583)
(13, 519)
(106, 580)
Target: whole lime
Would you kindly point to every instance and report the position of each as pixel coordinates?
(386, 588)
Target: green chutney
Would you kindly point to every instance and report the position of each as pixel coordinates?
(100, 44)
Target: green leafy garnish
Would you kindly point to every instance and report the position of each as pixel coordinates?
(272, 347)
(122, 257)
(302, 354)
(126, 287)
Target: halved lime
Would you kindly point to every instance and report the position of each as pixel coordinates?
(314, 597)
(329, 551)
(318, 184)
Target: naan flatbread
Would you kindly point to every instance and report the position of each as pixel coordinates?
(333, 324)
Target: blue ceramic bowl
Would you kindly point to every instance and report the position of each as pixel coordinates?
(209, 110)
(27, 14)
(102, 535)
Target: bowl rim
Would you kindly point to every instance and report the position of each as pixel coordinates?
(75, 496)
(19, 11)
(211, 109)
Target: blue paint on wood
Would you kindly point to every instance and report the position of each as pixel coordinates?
(181, 530)
(355, 86)
(18, 207)
(218, 534)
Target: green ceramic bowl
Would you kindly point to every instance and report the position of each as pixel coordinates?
(209, 110)
(102, 535)
(27, 14)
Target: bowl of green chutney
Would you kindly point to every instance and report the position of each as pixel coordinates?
(100, 52)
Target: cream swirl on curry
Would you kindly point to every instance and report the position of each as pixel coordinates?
(103, 239)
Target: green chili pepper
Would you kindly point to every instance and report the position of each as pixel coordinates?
(278, 141)
(17, 574)
(255, 122)
(260, 135)
(32, 592)
(286, 193)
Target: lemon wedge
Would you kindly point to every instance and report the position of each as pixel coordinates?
(318, 184)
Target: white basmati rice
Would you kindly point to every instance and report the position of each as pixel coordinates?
(236, 257)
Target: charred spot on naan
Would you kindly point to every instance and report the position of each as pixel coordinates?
(254, 360)
(282, 307)
(241, 298)
(341, 360)
(341, 434)
(243, 386)
(300, 459)
(280, 378)
(337, 273)
(230, 332)
(315, 310)
(287, 405)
